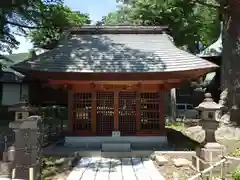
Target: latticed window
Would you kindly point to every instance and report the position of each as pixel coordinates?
(149, 110)
(82, 111)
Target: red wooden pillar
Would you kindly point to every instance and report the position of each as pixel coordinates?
(70, 111)
(161, 113)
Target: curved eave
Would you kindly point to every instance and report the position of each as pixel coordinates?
(117, 76)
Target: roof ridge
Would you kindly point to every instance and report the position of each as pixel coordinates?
(119, 29)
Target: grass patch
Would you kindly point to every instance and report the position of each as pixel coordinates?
(178, 126)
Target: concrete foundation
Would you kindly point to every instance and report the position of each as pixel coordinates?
(136, 142)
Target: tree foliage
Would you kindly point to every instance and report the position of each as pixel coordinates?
(43, 19)
(16, 17)
(58, 18)
(196, 20)
(121, 16)
(189, 23)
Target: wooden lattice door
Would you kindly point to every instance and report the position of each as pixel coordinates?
(105, 113)
(150, 111)
(127, 113)
(82, 119)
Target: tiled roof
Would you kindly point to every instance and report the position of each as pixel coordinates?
(10, 75)
(116, 52)
(215, 49)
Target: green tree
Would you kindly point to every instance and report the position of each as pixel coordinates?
(189, 23)
(121, 16)
(17, 17)
(58, 18)
(43, 19)
(196, 20)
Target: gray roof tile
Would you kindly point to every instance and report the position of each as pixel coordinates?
(116, 53)
(214, 50)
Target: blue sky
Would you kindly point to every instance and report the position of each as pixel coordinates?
(95, 8)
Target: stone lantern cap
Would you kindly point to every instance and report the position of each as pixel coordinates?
(22, 107)
(209, 104)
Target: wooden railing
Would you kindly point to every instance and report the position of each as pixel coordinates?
(211, 168)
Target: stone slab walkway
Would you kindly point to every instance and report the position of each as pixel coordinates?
(99, 168)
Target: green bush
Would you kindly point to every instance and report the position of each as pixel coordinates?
(236, 152)
(236, 174)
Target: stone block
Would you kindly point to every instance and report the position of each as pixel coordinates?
(121, 154)
(216, 149)
(207, 153)
(179, 162)
(5, 156)
(5, 167)
(209, 124)
(11, 153)
(161, 160)
(116, 147)
(214, 146)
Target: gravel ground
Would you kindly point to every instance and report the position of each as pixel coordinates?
(183, 173)
(169, 169)
(60, 170)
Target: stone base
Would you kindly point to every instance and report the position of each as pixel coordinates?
(216, 149)
(5, 167)
(5, 156)
(161, 160)
(116, 147)
(11, 153)
(136, 142)
(210, 154)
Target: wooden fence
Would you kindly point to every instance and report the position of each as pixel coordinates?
(209, 171)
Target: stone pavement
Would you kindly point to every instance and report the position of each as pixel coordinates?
(99, 168)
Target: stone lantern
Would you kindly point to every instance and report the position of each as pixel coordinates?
(209, 123)
(22, 110)
(211, 150)
(27, 144)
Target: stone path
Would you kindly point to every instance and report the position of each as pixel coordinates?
(97, 168)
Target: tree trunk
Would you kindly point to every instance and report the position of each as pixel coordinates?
(231, 61)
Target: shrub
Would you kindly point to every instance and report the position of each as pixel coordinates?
(236, 174)
(236, 152)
